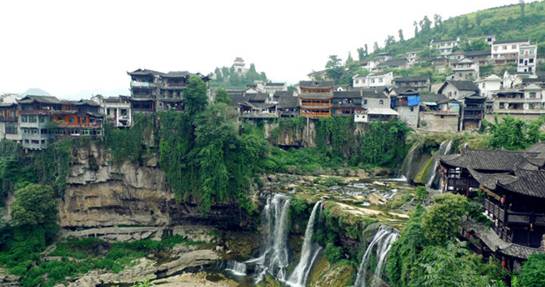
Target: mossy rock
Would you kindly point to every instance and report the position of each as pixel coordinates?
(269, 281)
(325, 274)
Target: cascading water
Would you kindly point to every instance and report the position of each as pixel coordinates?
(444, 149)
(406, 167)
(274, 258)
(237, 268)
(309, 253)
(381, 243)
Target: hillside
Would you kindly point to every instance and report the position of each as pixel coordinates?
(520, 21)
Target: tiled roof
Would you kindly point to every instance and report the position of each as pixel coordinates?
(40, 99)
(374, 93)
(316, 84)
(410, 79)
(287, 101)
(527, 182)
(511, 41)
(348, 94)
(464, 85)
(490, 160)
(259, 97)
(477, 53)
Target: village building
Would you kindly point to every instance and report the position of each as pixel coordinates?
(527, 103)
(257, 106)
(383, 57)
(513, 185)
(116, 110)
(9, 129)
(472, 114)
(373, 80)
(464, 69)
(527, 59)
(395, 63)
(77, 118)
(412, 57)
(376, 106)
(421, 84)
(34, 118)
(444, 47)
(458, 89)
(369, 65)
(479, 57)
(504, 52)
(438, 113)
(288, 104)
(347, 103)
(489, 86)
(153, 91)
(407, 105)
(315, 98)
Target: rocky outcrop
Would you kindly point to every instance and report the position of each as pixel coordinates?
(132, 201)
(146, 269)
(8, 280)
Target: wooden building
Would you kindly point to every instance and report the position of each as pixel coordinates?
(315, 98)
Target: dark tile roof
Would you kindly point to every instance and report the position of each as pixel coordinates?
(287, 101)
(176, 74)
(464, 85)
(410, 79)
(395, 62)
(316, 84)
(477, 53)
(374, 93)
(348, 94)
(527, 182)
(143, 72)
(39, 99)
(259, 97)
(436, 98)
(490, 160)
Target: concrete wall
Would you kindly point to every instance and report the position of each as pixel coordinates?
(436, 122)
(521, 116)
(409, 116)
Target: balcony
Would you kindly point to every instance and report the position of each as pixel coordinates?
(514, 217)
(139, 84)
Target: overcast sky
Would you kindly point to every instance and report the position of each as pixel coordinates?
(73, 49)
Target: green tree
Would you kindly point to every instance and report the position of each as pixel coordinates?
(532, 273)
(400, 35)
(223, 97)
(442, 219)
(34, 205)
(514, 134)
(334, 68)
(195, 95)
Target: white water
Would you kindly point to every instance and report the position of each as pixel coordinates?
(381, 243)
(274, 259)
(299, 275)
(237, 268)
(444, 149)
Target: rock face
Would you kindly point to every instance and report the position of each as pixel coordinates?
(131, 201)
(145, 270)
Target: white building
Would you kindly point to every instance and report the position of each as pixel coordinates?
(489, 85)
(116, 110)
(527, 59)
(373, 80)
(506, 51)
(444, 47)
(370, 65)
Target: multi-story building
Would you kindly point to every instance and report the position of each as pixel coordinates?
(458, 89)
(473, 110)
(507, 51)
(407, 105)
(464, 69)
(373, 80)
(9, 129)
(444, 47)
(315, 98)
(527, 59)
(34, 120)
(421, 84)
(347, 103)
(288, 104)
(240, 66)
(153, 91)
(527, 103)
(116, 110)
(77, 118)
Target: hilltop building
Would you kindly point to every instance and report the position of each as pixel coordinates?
(527, 59)
(373, 80)
(239, 66)
(444, 47)
(504, 52)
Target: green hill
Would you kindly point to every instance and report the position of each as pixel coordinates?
(519, 21)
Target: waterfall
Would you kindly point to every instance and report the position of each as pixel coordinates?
(382, 241)
(237, 268)
(299, 275)
(274, 257)
(444, 149)
(406, 170)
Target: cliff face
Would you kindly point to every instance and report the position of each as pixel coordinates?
(131, 201)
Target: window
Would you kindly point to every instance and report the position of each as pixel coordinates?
(531, 61)
(71, 120)
(513, 46)
(495, 48)
(532, 95)
(381, 102)
(521, 61)
(504, 47)
(24, 119)
(42, 119)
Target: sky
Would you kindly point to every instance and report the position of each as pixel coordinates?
(75, 49)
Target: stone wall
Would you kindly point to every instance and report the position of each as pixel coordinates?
(438, 122)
